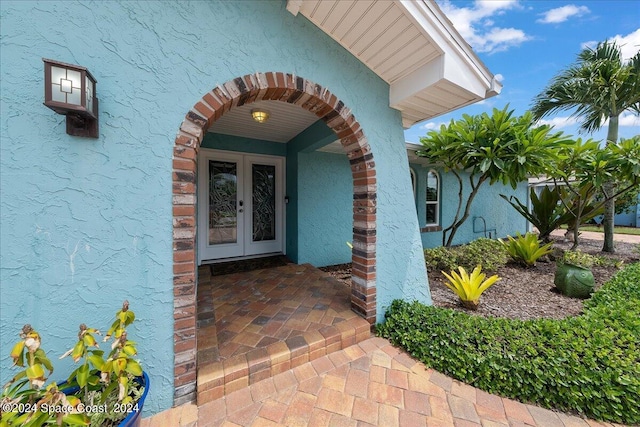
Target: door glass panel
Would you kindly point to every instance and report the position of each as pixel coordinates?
(264, 202)
(223, 194)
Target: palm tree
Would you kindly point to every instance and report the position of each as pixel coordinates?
(600, 85)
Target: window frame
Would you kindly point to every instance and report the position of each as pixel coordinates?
(414, 181)
(435, 203)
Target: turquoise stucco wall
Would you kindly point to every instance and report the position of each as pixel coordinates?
(87, 222)
(325, 208)
(501, 219)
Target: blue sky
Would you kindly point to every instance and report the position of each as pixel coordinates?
(526, 43)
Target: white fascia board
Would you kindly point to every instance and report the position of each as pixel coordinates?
(293, 6)
(460, 66)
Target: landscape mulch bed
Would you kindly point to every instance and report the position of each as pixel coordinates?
(522, 293)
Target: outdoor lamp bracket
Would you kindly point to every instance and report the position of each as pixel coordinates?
(71, 90)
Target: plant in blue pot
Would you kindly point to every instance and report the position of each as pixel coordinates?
(102, 391)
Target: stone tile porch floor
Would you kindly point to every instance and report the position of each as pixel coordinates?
(280, 346)
(255, 324)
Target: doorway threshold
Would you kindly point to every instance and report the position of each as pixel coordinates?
(240, 258)
(240, 265)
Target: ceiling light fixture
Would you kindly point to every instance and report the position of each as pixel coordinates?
(260, 115)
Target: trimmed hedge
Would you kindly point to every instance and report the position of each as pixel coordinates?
(488, 253)
(589, 364)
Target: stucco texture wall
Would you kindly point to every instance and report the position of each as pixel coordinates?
(325, 208)
(500, 218)
(87, 223)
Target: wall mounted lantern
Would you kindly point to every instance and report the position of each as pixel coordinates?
(71, 90)
(260, 115)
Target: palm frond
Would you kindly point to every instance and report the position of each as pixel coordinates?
(597, 86)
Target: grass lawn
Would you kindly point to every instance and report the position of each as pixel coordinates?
(619, 230)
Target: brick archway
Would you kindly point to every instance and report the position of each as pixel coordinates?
(271, 86)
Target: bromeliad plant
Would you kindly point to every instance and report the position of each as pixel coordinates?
(97, 382)
(526, 250)
(469, 288)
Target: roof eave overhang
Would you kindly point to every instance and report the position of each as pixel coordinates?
(453, 78)
(458, 70)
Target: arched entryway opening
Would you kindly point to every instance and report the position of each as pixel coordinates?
(270, 86)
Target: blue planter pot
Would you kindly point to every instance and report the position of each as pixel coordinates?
(134, 417)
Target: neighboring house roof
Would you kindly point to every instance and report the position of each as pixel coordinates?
(412, 148)
(412, 46)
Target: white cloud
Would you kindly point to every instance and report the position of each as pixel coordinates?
(561, 14)
(629, 44)
(432, 125)
(628, 119)
(590, 44)
(479, 30)
(559, 122)
(625, 119)
(499, 77)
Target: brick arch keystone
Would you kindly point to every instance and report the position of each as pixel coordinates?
(271, 86)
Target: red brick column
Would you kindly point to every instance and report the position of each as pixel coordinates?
(244, 90)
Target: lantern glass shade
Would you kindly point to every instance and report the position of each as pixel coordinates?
(89, 93)
(69, 89)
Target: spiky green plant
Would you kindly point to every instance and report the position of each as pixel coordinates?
(469, 287)
(526, 250)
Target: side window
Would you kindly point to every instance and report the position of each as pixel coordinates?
(433, 198)
(413, 182)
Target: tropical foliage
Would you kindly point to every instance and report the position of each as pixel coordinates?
(586, 364)
(469, 287)
(491, 148)
(107, 383)
(489, 253)
(598, 86)
(526, 249)
(546, 211)
(584, 167)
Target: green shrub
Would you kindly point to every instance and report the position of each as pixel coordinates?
(586, 260)
(440, 258)
(589, 364)
(526, 250)
(488, 253)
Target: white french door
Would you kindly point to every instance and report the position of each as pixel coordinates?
(240, 205)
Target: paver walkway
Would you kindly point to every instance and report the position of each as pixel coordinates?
(594, 235)
(368, 384)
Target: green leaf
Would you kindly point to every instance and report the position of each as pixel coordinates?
(76, 420)
(96, 360)
(35, 371)
(134, 368)
(17, 353)
(82, 375)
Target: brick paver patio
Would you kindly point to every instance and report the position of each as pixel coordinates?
(253, 325)
(368, 384)
(281, 347)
